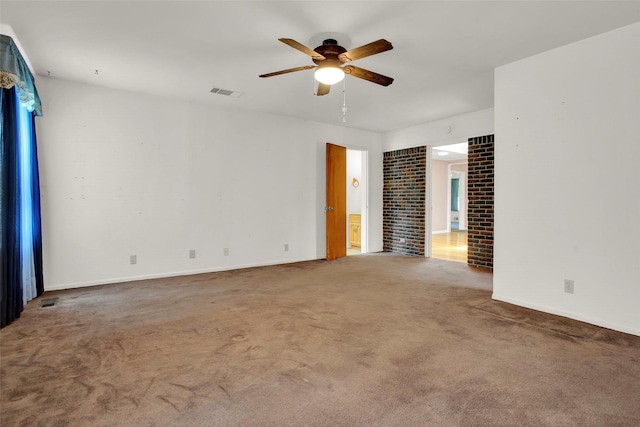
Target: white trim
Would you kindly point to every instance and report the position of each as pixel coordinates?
(170, 274)
(449, 198)
(574, 316)
(364, 220)
(440, 232)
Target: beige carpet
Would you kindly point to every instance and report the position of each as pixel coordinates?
(367, 340)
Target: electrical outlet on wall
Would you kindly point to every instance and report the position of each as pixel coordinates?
(192, 253)
(568, 286)
(225, 251)
(286, 247)
(133, 259)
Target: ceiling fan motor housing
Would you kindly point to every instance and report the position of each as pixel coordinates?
(330, 49)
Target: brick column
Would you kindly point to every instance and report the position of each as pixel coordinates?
(403, 197)
(480, 209)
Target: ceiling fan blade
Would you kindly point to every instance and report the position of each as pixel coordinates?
(289, 70)
(302, 48)
(323, 89)
(372, 48)
(361, 73)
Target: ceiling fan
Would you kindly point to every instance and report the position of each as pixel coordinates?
(329, 59)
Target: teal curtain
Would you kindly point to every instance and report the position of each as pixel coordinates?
(21, 277)
(455, 194)
(14, 72)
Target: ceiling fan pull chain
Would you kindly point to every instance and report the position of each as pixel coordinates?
(344, 101)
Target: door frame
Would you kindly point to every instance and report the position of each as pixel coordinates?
(365, 185)
(429, 190)
(364, 203)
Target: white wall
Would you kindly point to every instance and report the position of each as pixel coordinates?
(567, 196)
(125, 173)
(354, 170)
(439, 196)
(441, 132)
(7, 30)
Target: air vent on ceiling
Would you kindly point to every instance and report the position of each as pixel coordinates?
(226, 92)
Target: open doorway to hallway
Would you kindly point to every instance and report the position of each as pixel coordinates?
(449, 202)
(356, 202)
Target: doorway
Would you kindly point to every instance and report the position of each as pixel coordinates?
(346, 226)
(356, 201)
(458, 195)
(449, 200)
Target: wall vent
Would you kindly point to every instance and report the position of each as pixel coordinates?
(226, 92)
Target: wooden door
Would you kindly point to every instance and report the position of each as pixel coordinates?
(336, 207)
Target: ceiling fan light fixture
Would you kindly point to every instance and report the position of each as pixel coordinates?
(329, 75)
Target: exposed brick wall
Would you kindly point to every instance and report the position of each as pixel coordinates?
(404, 200)
(480, 209)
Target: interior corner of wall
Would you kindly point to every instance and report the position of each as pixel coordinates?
(7, 30)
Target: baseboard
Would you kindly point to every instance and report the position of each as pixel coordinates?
(125, 279)
(587, 319)
(439, 232)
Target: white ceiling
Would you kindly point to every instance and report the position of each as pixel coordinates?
(442, 62)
